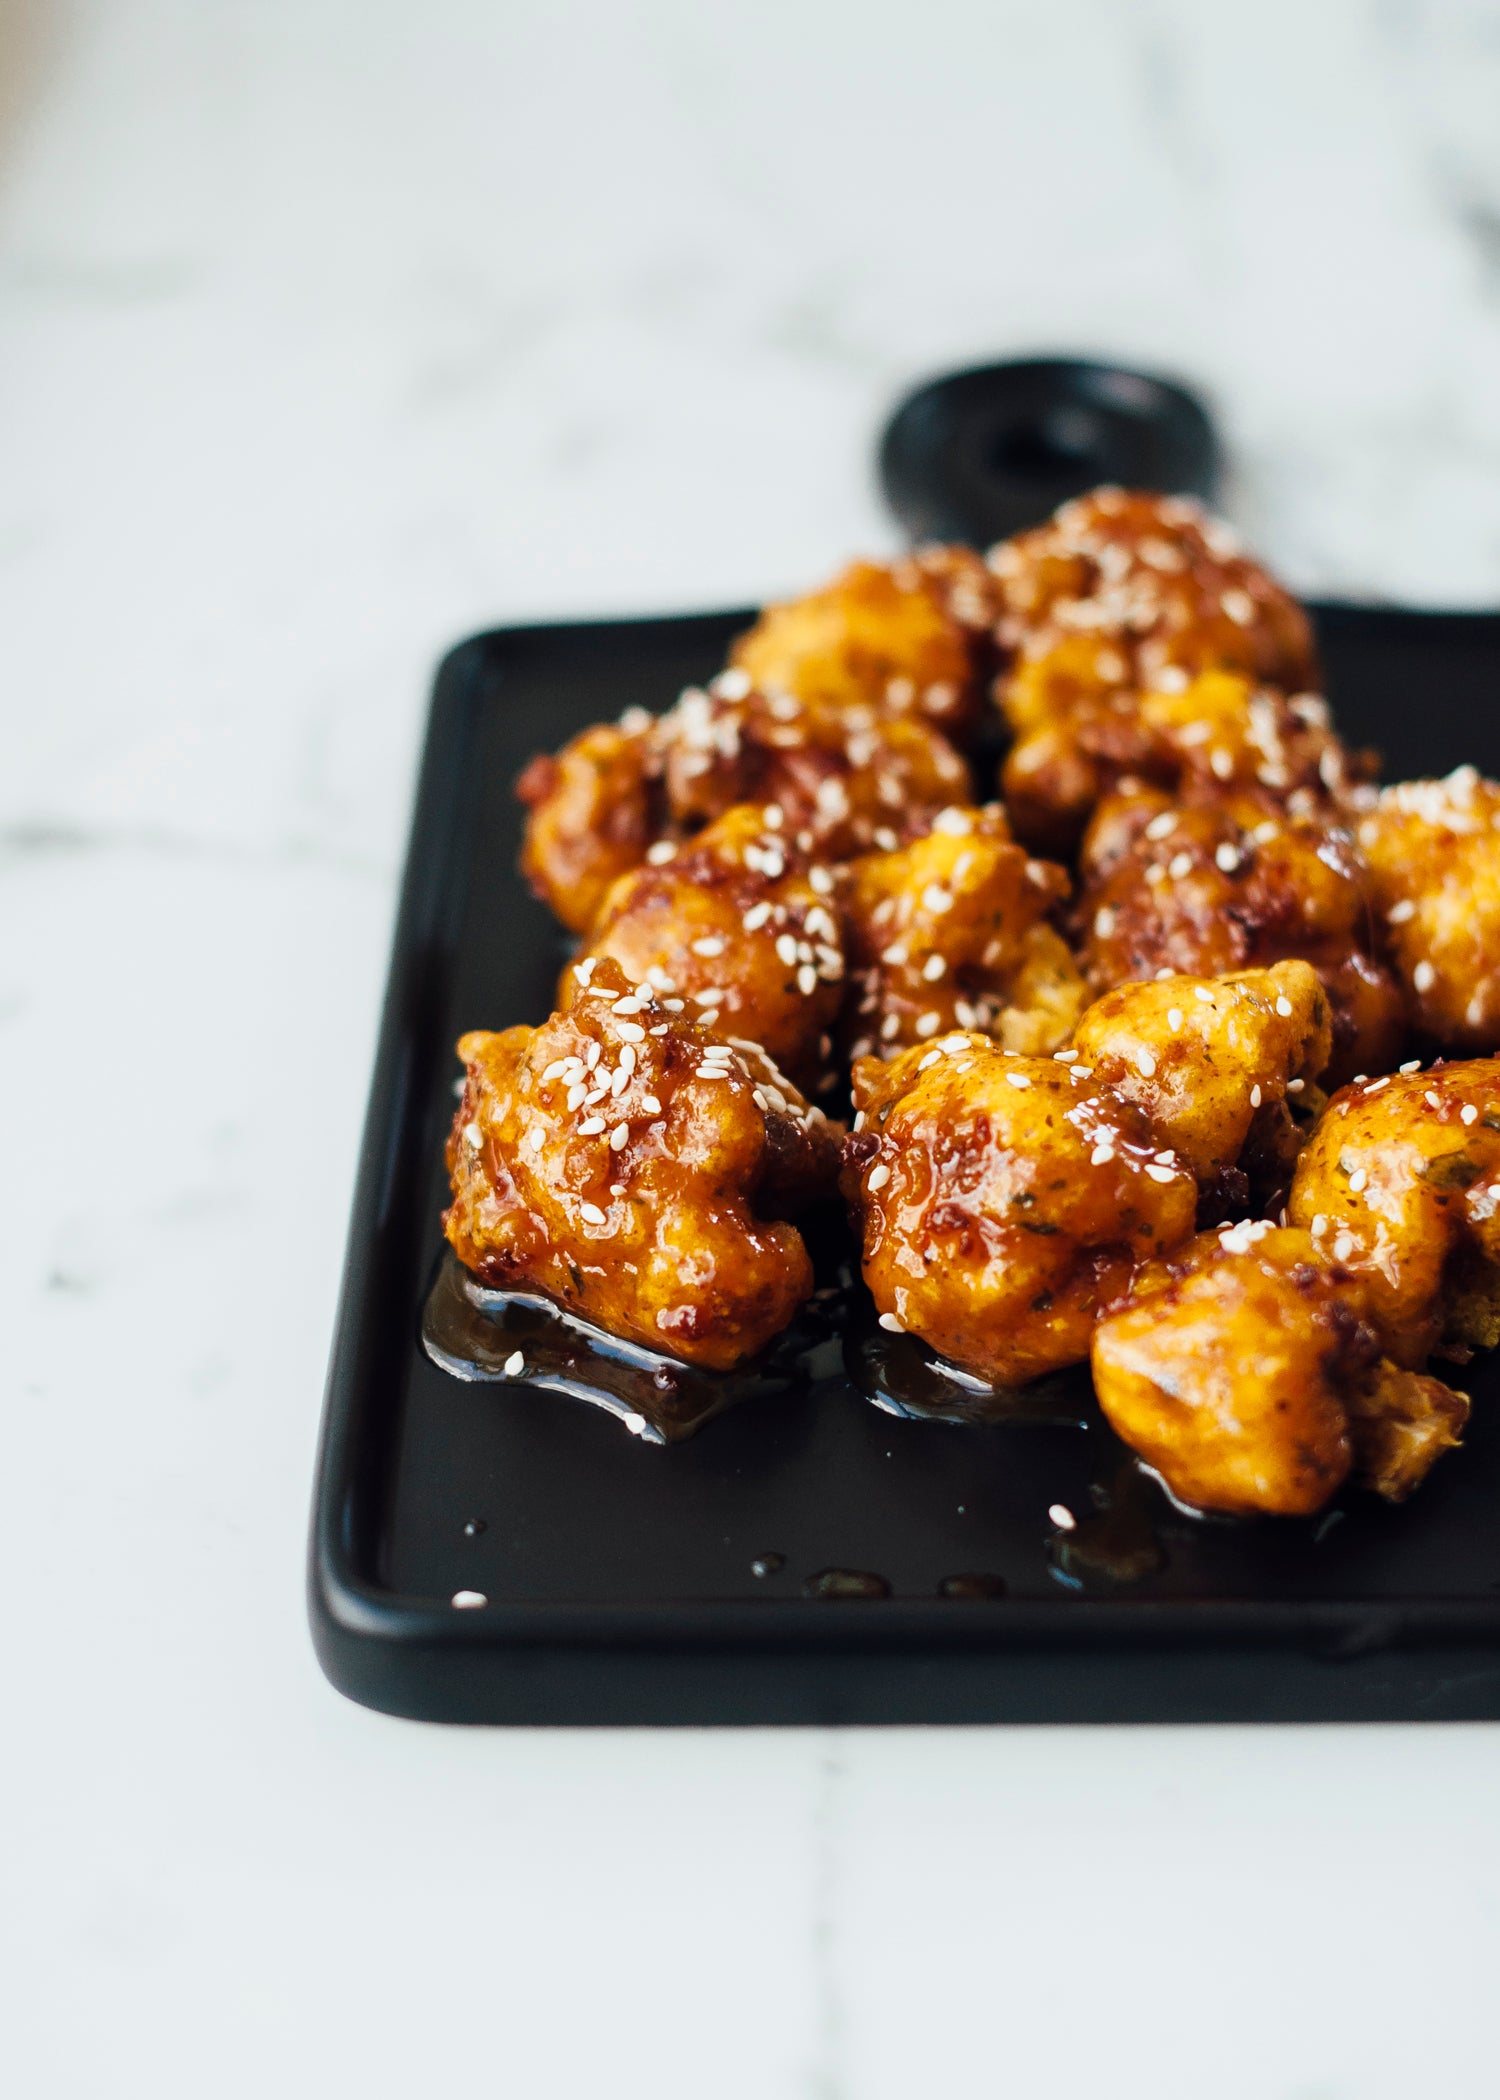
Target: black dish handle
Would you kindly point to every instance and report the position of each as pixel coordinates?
(979, 455)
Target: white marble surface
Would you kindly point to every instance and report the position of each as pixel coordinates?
(332, 331)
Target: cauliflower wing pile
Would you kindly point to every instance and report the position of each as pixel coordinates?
(1089, 1029)
(638, 1170)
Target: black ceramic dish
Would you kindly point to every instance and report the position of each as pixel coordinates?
(632, 1583)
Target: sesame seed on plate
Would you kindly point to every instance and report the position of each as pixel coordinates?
(468, 1600)
(1062, 1516)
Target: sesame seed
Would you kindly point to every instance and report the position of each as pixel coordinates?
(515, 1364)
(619, 1137)
(1167, 1158)
(631, 1003)
(650, 1106)
(1319, 1226)
(576, 1094)
(1145, 1064)
(591, 1214)
(661, 853)
(1018, 1079)
(1431, 1099)
(1104, 922)
(1221, 764)
(1162, 827)
(891, 1324)
(1179, 865)
(555, 1070)
(468, 1600)
(1161, 1173)
(1468, 1114)
(1400, 913)
(1227, 857)
(933, 968)
(1343, 1246)
(772, 817)
(927, 1024)
(1357, 1181)
(807, 980)
(710, 946)
(756, 917)
(603, 1075)
(632, 1032)
(821, 881)
(591, 1056)
(536, 1137)
(1201, 992)
(592, 1127)
(1081, 1071)
(1062, 1517)
(936, 899)
(1174, 1018)
(1101, 1155)
(786, 949)
(1283, 1006)
(933, 1057)
(1376, 1084)
(1424, 976)
(1255, 1097)
(889, 1027)
(1295, 1086)
(877, 1178)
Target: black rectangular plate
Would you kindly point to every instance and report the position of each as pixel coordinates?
(619, 1575)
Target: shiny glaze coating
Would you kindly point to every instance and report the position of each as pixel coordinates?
(1400, 1182)
(1229, 1369)
(1222, 883)
(1002, 1201)
(1122, 594)
(847, 780)
(672, 1235)
(745, 929)
(950, 931)
(1210, 1060)
(1433, 847)
(912, 635)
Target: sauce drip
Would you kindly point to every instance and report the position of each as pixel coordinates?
(1121, 1542)
(476, 1334)
(902, 1376)
(845, 1582)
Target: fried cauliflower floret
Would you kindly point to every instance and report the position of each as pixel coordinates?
(592, 817)
(1118, 596)
(1003, 1202)
(1230, 1371)
(638, 1171)
(950, 931)
(741, 928)
(1211, 886)
(846, 780)
(1434, 852)
(1400, 1182)
(1210, 1060)
(912, 635)
(1401, 1423)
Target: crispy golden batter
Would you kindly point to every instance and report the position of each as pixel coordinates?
(1246, 1370)
(1218, 884)
(847, 780)
(910, 635)
(1400, 1182)
(1230, 1371)
(592, 817)
(1122, 595)
(638, 1171)
(1434, 851)
(737, 924)
(1210, 1060)
(950, 931)
(1401, 1423)
(1003, 1201)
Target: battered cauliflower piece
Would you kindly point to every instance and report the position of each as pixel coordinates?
(915, 635)
(1245, 1372)
(1434, 852)
(1003, 1202)
(1400, 1182)
(639, 1171)
(847, 780)
(1219, 884)
(738, 925)
(950, 931)
(1120, 595)
(592, 817)
(1211, 1061)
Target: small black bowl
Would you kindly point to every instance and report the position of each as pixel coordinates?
(979, 455)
